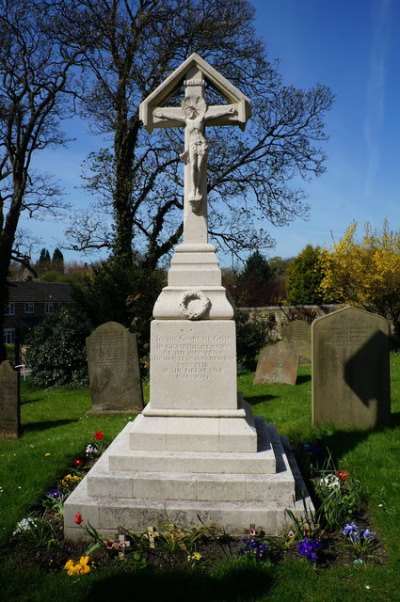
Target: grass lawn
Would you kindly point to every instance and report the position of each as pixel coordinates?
(56, 429)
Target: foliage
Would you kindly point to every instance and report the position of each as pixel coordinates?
(10, 353)
(361, 539)
(44, 260)
(338, 494)
(56, 352)
(304, 277)
(252, 334)
(57, 261)
(365, 272)
(50, 269)
(254, 286)
(129, 49)
(120, 292)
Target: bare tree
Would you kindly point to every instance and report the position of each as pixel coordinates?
(129, 47)
(33, 75)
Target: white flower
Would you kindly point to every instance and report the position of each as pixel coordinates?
(331, 481)
(91, 450)
(26, 524)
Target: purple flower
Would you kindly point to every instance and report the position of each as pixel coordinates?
(255, 548)
(54, 494)
(309, 548)
(367, 534)
(351, 531)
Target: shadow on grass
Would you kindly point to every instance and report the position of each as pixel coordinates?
(340, 442)
(240, 583)
(256, 399)
(395, 419)
(303, 378)
(43, 426)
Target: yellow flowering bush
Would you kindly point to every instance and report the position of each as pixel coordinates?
(78, 568)
(365, 271)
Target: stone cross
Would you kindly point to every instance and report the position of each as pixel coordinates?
(194, 115)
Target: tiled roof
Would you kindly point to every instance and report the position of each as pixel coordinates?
(39, 292)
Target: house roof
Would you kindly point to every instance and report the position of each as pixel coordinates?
(39, 292)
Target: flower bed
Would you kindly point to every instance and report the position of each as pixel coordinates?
(338, 532)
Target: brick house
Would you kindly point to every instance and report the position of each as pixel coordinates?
(29, 302)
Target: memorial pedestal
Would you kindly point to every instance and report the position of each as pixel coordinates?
(195, 453)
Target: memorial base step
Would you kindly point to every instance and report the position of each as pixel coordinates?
(123, 489)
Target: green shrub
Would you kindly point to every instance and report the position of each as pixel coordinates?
(10, 353)
(252, 334)
(56, 353)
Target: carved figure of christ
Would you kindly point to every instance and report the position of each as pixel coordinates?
(194, 115)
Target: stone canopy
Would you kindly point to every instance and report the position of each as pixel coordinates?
(194, 64)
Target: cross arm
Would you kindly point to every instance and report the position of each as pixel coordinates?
(230, 114)
(167, 117)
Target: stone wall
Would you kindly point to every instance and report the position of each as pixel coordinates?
(286, 313)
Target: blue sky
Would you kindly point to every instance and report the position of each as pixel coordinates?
(353, 46)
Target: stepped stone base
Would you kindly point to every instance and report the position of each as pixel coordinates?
(230, 490)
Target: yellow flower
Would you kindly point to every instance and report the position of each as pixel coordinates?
(84, 565)
(80, 568)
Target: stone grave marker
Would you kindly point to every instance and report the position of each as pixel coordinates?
(277, 363)
(10, 423)
(298, 334)
(114, 373)
(350, 369)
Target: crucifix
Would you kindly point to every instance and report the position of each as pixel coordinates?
(194, 115)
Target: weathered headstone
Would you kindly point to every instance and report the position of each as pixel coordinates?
(350, 369)
(114, 373)
(277, 363)
(10, 423)
(298, 334)
(196, 452)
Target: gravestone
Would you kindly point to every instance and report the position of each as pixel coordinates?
(298, 334)
(114, 373)
(195, 453)
(277, 363)
(350, 369)
(10, 423)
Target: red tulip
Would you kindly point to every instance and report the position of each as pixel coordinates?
(78, 519)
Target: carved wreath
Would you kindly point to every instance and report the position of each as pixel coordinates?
(194, 311)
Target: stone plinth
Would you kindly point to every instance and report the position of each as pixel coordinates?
(134, 489)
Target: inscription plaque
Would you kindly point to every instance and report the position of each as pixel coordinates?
(114, 373)
(350, 369)
(10, 423)
(193, 366)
